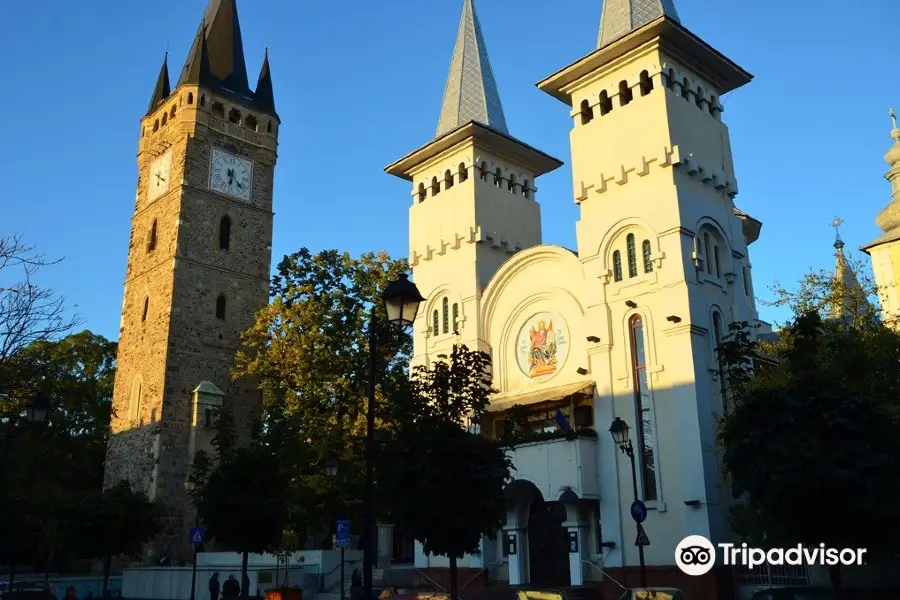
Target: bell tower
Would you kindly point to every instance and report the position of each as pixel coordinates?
(473, 197)
(198, 267)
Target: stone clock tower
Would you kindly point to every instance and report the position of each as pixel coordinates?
(198, 267)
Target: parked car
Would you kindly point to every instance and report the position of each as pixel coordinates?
(794, 593)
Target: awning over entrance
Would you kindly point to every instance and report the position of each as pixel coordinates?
(501, 402)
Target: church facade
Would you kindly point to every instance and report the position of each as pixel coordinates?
(624, 325)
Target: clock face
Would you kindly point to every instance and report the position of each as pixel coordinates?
(160, 171)
(230, 175)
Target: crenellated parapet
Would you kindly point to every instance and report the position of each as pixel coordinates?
(475, 235)
(688, 164)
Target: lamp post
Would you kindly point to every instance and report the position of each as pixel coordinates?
(330, 467)
(401, 300)
(189, 487)
(620, 434)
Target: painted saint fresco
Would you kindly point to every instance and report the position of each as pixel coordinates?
(542, 345)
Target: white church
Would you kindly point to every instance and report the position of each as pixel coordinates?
(624, 325)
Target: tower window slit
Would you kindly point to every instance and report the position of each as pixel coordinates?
(670, 79)
(511, 186)
(151, 239)
(713, 107)
(463, 173)
(225, 233)
(605, 104)
(587, 113)
(685, 89)
(445, 314)
(699, 98)
(422, 193)
(646, 83)
(647, 252)
(746, 282)
(220, 307)
(625, 93)
(190, 99)
(526, 190)
(632, 255)
(448, 179)
(165, 119)
(617, 266)
(483, 171)
(146, 309)
(716, 256)
(498, 177)
(435, 186)
(202, 100)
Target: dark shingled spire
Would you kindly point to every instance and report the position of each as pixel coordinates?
(264, 95)
(162, 90)
(224, 46)
(196, 70)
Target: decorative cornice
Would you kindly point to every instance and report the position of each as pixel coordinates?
(475, 235)
(686, 328)
(668, 157)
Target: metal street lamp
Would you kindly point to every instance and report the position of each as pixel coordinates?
(189, 487)
(620, 434)
(401, 300)
(330, 467)
(37, 408)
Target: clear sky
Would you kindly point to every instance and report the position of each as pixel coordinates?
(358, 84)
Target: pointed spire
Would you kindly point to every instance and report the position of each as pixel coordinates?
(224, 46)
(849, 298)
(196, 70)
(163, 89)
(471, 91)
(621, 17)
(264, 97)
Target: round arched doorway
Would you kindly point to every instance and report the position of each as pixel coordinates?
(548, 544)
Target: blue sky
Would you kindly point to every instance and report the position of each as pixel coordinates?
(358, 84)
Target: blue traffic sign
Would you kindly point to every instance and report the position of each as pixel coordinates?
(342, 533)
(196, 535)
(638, 511)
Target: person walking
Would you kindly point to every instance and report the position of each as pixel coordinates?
(214, 586)
(231, 588)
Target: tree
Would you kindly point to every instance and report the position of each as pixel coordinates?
(243, 504)
(445, 480)
(309, 350)
(117, 521)
(811, 440)
(28, 312)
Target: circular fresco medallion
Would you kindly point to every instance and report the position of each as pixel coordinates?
(542, 345)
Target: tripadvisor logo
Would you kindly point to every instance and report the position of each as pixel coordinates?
(696, 555)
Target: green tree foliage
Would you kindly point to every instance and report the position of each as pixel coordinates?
(811, 441)
(444, 479)
(309, 349)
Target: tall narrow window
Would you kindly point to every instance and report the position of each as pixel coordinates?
(716, 258)
(686, 89)
(151, 239)
(435, 186)
(422, 193)
(435, 323)
(483, 171)
(587, 113)
(746, 281)
(448, 179)
(632, 255)
(225, 233)
(670, 79)
(526, 190)
(643, 411)
(498, 177)
(647, 252)
(220, 307)
(445, 313)
(462, 172)
(146, 309)
(706, 253)
(606, 104)
(617, 266)
(455, 318)
(646, 83)
(511, 186)
(625, 93)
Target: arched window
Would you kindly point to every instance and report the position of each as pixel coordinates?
(190, 98)
(526, 189)
(435, 323)
(134, 402)
(455, 318)
(746, 281)
(151, 239)
(625, 93)
(269, 127)
(146, 309)
(498, 177)
(511, 185)
(646, 83)
(617, 266)
(225, 233)
(706, 253)
(448, 179)
(202, 100)
(172, 114)
(435, 186)
(699, 98)
(587, 113)
(647, 252)
(155, 126)
(220, 307)
(605, 103)
(685, 88)
(218, 110)
(632, 255)
(165, 119)
(713, 106)
(670, 79)
(643, 409)
(462, 173)
(422, 193)
(483, 171)
(445, 313)
(234, 116)
(251, 123)
(716, 258)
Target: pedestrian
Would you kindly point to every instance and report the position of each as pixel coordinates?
(214, 586)
(231, 588)
(356, 585)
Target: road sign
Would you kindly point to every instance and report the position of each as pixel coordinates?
(638, 511)
(196, 536)
(342, 533)
(642, 539)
